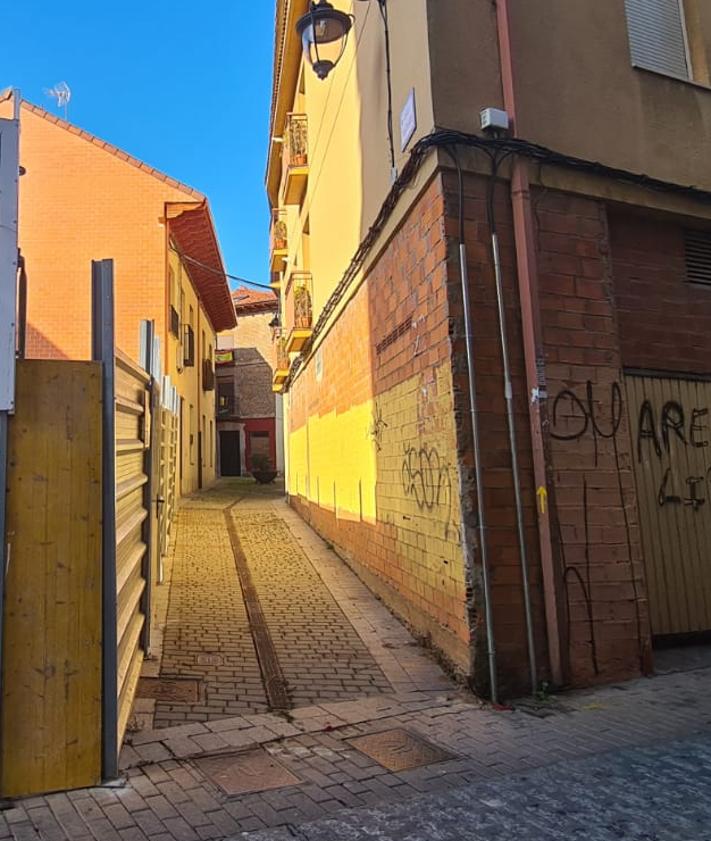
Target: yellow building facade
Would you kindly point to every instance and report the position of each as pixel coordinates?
(376, 234)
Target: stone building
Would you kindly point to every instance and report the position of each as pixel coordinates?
(247, 407)
(550, 258)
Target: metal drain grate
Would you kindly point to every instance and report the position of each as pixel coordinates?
(400, 750)
(180, 690)
(250, 771)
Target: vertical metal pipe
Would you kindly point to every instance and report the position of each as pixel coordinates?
(102, 350)
(516, 473)
(532, 345)
(481, 512)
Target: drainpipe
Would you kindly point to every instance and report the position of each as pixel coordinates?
(532, 341)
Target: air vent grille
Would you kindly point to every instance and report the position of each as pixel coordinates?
(698, 256)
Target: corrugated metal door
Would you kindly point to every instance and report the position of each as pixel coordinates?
(133, 437)
(670, 420)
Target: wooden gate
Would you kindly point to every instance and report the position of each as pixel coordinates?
(133, 510)
(670, 420)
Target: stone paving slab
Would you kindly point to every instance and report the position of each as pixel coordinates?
(660, 793)
(166, 798)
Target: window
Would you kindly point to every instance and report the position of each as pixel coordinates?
(698, 256)
(657, 35)
(192, 434)
(212, 445)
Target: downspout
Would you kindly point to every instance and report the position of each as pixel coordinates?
(532, 341)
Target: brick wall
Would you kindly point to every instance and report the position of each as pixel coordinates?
(591, 484)
(596, 516)
(78, 203)
(372, 445)
(665, 321)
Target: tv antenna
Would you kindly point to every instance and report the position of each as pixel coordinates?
(62, 94)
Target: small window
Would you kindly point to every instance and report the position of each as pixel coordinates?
(657, 35)
(698, 256)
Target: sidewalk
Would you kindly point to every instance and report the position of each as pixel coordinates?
(396, 731)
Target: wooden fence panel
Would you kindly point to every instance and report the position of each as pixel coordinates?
(51, 710)
(133, 420)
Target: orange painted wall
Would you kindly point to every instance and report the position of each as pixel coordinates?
(80, 202)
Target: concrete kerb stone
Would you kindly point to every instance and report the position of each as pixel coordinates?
(197, 739)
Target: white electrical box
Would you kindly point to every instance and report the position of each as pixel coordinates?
(494, 119)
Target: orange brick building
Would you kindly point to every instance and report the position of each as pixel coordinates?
(82, 199)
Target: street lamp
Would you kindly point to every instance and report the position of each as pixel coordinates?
(324, 32)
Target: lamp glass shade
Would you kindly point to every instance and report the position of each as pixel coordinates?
(324, 32)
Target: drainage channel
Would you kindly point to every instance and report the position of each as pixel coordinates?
(272, 676)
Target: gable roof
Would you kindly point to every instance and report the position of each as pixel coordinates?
(251, 300)
(111, 149)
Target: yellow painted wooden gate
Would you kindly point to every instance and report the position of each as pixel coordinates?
(670, 420)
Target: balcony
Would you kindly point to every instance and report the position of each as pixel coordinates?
(279, 240)
(295, 159)
(283, 364)
(299, 312)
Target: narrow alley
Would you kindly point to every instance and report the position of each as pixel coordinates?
(258, 614)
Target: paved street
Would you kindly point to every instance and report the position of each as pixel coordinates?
(360, 734)
(658, 793)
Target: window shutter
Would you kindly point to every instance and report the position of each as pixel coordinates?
(698, 256)
(657, 36)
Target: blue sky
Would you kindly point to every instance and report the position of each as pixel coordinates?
(185, 86)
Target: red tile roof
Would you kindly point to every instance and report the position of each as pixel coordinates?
(249, 300)
(193, 233)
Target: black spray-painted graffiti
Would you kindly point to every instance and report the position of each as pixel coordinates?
(655, 433)
(601, 420)
(377, 428)
(586, 416)
(426, 479)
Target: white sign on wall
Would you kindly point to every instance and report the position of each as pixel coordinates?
(9, 175)
(408, 120)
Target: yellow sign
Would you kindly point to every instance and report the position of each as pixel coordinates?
(542, 495)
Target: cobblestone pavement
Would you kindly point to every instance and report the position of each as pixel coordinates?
(602, 763)
(659, 793)
(256, 601)
(494, 773)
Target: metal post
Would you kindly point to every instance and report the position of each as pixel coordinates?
(149, 452)
(516, 473)
(102, 350)
(9, 188)
(479, 475)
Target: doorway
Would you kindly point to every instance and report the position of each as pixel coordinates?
(230, 456)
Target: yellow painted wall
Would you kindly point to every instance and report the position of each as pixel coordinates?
(198, 405)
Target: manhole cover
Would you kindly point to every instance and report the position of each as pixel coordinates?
(184, 690)
(399, 750)
(209, 660)
(249, 771)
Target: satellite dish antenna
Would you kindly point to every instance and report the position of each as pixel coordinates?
(62, 94)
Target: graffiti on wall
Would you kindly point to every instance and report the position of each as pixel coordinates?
(586, 416)
(687, 427)
(377, 428)
(575, 416)
(426, 479)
